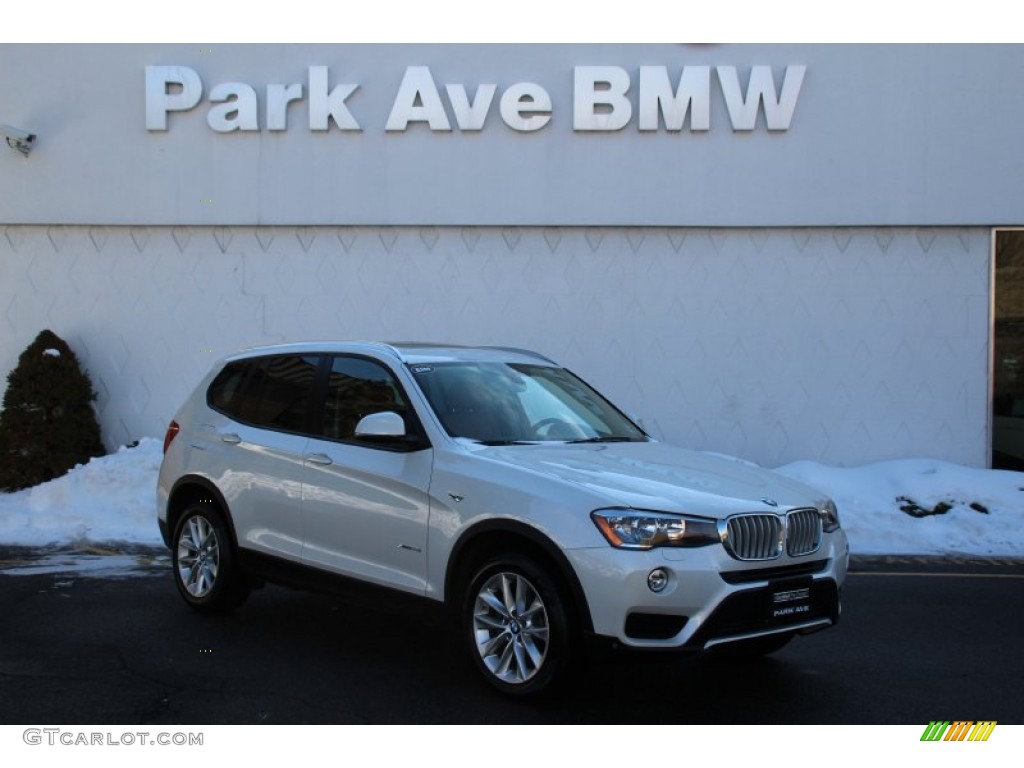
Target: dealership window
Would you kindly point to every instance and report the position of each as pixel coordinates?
(1008, 352)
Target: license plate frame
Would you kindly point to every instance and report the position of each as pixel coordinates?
(789, 600)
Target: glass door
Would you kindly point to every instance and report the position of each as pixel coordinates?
(1008, 352)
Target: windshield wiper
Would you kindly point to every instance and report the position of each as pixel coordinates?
(505, 442)
(608, 439)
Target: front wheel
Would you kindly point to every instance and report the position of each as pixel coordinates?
(205, 570)
(517, 625)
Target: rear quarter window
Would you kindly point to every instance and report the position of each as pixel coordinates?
(225, 392)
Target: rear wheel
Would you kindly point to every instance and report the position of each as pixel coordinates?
(205, 567)
(517, 625)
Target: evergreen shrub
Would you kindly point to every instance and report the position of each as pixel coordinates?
(47, 424)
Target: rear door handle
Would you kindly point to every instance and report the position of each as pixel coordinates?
(231, 438)
(320, 459)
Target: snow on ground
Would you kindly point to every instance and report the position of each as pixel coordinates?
(113, 498)
(984, 508)
(91, 563)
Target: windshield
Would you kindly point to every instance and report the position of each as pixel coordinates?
(508, 403)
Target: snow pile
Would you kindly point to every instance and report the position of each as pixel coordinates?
(959, 510)
(112, 498)
(923, 506)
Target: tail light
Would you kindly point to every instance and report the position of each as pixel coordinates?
(172, 431)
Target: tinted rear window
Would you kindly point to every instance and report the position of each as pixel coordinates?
(271, 392)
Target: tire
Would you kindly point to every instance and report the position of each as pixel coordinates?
(755, 646)
(516, 622)
(205, 566)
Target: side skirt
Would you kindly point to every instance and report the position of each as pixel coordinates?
(261, 568)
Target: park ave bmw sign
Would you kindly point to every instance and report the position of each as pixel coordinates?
(603, 100)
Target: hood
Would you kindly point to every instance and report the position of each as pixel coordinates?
(656, 476)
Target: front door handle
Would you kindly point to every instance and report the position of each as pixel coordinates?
(230, 438)
(320, 459)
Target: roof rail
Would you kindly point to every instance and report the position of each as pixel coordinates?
(527, 352)
(387, 347)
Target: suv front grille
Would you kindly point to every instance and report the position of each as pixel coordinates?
(803, 532)
(766, 536)
(754, 537)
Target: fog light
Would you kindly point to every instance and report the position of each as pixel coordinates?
(657, 579)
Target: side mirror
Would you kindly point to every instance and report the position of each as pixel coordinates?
(383, 424)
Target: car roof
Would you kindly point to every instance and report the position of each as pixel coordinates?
(405, 351)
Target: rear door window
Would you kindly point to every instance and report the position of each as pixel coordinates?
(272, 392)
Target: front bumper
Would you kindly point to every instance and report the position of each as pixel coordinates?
(710, 598)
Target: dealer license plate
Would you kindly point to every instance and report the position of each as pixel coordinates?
(791, 601)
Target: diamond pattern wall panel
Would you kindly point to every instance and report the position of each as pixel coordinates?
(841, 345)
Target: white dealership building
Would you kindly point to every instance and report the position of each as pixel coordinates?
(777, 252)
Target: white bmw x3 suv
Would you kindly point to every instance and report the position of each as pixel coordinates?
(498, 483)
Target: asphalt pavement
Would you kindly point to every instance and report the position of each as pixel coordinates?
(921, 639)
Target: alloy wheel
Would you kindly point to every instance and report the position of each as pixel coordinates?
(510, 627)
(198, 556)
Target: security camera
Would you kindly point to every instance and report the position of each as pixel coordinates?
(18, 139)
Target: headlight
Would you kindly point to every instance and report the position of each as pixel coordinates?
(639, 529)
(829, 517)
